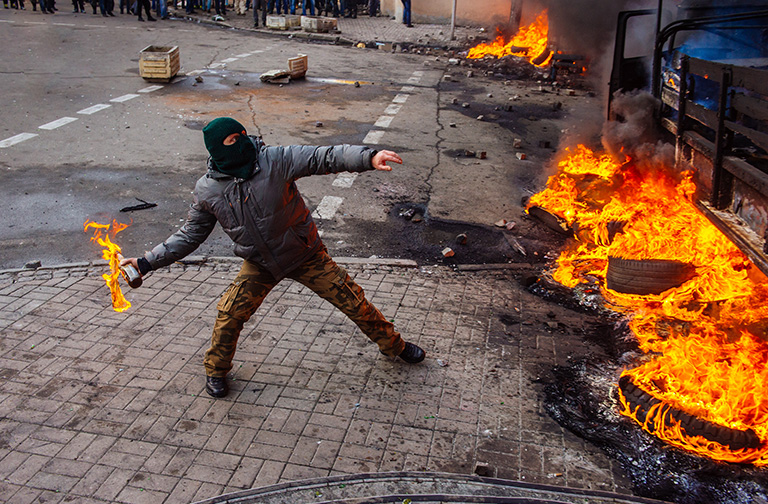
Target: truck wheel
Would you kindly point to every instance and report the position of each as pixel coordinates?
(647, 276)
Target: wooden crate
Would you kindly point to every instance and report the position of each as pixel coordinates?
(159, 63)
(297, 66)
(318, 24)
(286, 22)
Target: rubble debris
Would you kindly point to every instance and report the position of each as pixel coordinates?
(480, 117)
(442, 363)
(454, 100)
(357, 84)
(515, 244)
(318, 124)
(448, 252)
(557, 106)
(461, 239)
(451, 125)
(276, 77)
(517, 143)
(465, 105)
(199, 78)
(500, 223)
(490, 95)
(510, 225)
(470, 73)
(447, 78)
(143, 206)
(33, 265)
(407, 213)
(514, 98)
(469, 153)
(482, 154)
(520, 155)
(454, 61)
(417, 218)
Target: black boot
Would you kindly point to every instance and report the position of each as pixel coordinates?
(216, 386)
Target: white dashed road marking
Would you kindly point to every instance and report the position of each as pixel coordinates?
(383, 121)
(327, 207)
(244, 55)
(373, 137)
(149, 89)
(393, 109)
(345, 179)
(124, 98)
(400, 98)
(93, 109)
(57, 123)
(16, 139)
(228, 60)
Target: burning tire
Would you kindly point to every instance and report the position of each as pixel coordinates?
(550, 220)
(648, 276)
(643, 404)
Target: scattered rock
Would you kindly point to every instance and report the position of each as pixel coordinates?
(454, 100)
(454, 61)
(33, 265)
(448, 252)
(465, 105)
(500, 223)
(480, 117)
(461, 239)
(482, 154)
(318, 124)
(451, 125)
(199, 78)
(520, 155)
(517, 143)
(470, 73)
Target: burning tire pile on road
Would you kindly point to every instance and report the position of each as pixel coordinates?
(700, 383)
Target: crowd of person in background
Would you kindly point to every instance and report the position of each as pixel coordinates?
(335, 8)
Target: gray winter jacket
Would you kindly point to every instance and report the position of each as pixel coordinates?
(264, 215)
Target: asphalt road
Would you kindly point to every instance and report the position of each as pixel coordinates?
(105, 138)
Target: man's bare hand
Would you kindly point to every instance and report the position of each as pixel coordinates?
(380, 160)
(133, 261)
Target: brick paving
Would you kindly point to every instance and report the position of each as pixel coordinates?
(99, 406)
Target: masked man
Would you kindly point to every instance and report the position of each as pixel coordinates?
(250, 190)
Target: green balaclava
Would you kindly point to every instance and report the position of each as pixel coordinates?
(237, 159)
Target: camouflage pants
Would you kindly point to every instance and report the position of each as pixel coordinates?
(321, 274)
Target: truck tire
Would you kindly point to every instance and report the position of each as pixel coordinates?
(647, 276)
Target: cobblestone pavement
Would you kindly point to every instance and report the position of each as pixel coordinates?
(99, 406)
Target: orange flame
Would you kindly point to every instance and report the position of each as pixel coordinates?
(529, 42)
(714, 367)
(110, 252)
